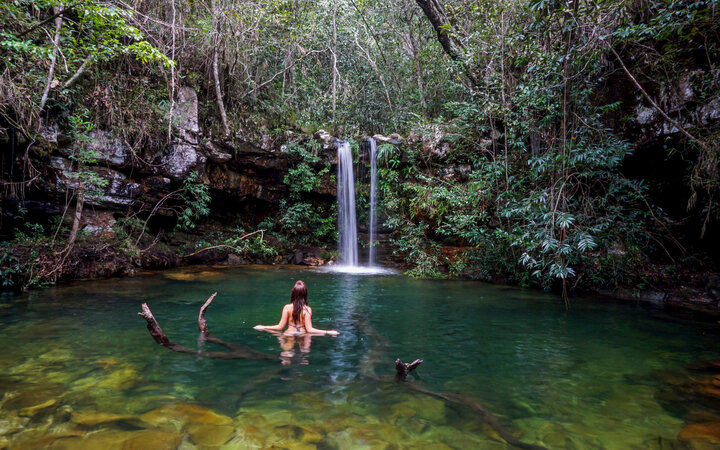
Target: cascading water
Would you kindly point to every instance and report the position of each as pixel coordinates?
(347, 224)
(373, 196)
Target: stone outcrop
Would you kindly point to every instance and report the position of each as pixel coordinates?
(679, 101)
(178, 160)
(216, 153)
(114, 188)
(434, 141)
(109, 149)
(182, 155)
(329, 141)
(394, 139)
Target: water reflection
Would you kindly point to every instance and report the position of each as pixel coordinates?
(345, 304)
(288, 344)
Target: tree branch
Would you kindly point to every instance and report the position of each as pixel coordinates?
(53, 60)
(700, 143)
(79, 72)
(237, 249)
(238, 351)
(49, 19)
(262, 85)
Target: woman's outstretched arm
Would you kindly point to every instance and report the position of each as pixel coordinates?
(280, 326)
(309, 327)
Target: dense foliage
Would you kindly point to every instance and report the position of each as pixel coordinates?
(520, 117)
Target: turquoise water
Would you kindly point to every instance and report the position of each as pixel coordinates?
(80, 368)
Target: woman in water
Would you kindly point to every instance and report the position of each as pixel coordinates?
(297, 315)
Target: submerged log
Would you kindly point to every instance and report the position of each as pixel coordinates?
(202, 324)
(404, 368)
(237, 351)
(153, 326)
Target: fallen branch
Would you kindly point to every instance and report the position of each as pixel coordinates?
(238, 351)
(237, 249)
(202, 324)
(403, 369)
(237, 348)
(677, 125)
(478, 408)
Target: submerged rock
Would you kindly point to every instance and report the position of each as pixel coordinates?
(249, 436)
(181, 414)
(701, 433)
(120, 379)
(11, 424)
(210, 435)
(93, 418)
(62, 440)
(427, 408)
(296, 433)
(32, 400)
(31, 411)
(114, 439)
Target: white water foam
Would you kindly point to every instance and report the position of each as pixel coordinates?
(357, 270)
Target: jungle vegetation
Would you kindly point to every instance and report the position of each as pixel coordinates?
(523, 158)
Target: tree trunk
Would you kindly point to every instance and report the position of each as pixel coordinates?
(216, 73)
(416, 59)
(453, 47)
(79, 203)
(434, 12)
(334, 74)
(377, 72)
(56, 45)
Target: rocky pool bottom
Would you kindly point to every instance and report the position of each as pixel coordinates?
(79, 369)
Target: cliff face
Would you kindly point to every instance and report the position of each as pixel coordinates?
(678, 173)
(243, 176)
(135, 195)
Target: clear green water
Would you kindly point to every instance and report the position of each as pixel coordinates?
(595, 376)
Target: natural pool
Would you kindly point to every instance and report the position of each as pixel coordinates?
(80, 370)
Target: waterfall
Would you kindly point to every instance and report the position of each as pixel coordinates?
(373, 198)
(347, 224)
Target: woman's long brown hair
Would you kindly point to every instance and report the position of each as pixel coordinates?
(298, 298)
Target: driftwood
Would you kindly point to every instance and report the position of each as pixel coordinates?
(403, 369)
(237, 351)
